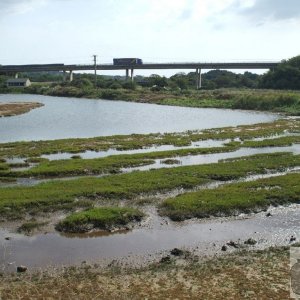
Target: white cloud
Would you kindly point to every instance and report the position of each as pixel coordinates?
(20, 6)
(268, 10)
(70, 31)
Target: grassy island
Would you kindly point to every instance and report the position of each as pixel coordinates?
(105, 218)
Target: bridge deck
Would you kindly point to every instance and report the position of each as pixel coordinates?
(145, 66)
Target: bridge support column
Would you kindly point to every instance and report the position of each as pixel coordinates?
(127, 74)
(131, 75)
(71, 75)
(64, 76)
(198, 79)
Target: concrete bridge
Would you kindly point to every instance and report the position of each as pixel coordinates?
(198, 66)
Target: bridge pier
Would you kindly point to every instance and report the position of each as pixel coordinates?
(71, 75)
(198, 79)
(131, 75)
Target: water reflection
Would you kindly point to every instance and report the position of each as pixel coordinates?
(93, 234)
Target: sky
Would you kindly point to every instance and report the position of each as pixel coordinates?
(71, 31)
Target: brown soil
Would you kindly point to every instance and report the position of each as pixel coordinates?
(17, 108)
(245, 275)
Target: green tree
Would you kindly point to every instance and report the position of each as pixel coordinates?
(285, 76)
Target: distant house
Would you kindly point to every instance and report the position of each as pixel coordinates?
(18, 82)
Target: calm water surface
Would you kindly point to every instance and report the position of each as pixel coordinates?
(55, 249)
(71, 117)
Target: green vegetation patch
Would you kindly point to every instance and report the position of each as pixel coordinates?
(34, 149)
(35, 160)
(110, 164)
(200, 103)
(30, 226)
(101, 218)
(276, 142)
(170, 161)
(3, 167)
(19, 165)
(72, 167)
(57, 195)
(238, 197)
(247, 99)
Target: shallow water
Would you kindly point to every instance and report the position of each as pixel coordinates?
(156, 234)
(214, 157)
(159, 163)
(62, 117)
(93, 154)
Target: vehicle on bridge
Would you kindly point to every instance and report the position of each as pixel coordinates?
(127, 61)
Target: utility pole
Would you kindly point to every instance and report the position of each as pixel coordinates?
(95, 66)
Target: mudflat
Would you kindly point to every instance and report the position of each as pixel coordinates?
(17, 108)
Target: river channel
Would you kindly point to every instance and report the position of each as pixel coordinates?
(62, 117)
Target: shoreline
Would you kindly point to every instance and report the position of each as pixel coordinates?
(10, 109)
(286, 102)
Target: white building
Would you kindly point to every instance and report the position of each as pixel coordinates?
(18, 82)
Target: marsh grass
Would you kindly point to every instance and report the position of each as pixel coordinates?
(4, 166)
(276, 142)
(170, 161)
(264, 100)
(34, 149)
(57, 195)
(18, 165)
(104, 218)
(113, 164)
(107, 165)
(234, 198)
(78, 166)
(30, 226)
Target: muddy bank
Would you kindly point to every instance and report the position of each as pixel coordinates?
(155, 237)
(236, 276)
(17, 108)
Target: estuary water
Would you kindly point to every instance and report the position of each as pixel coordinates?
(71, 117)
(62, 117)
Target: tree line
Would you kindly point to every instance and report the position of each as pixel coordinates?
(285, 76)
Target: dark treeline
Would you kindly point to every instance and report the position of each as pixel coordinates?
(211, 80)
(285, 76)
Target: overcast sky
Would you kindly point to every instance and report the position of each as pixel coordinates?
(71, 31)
